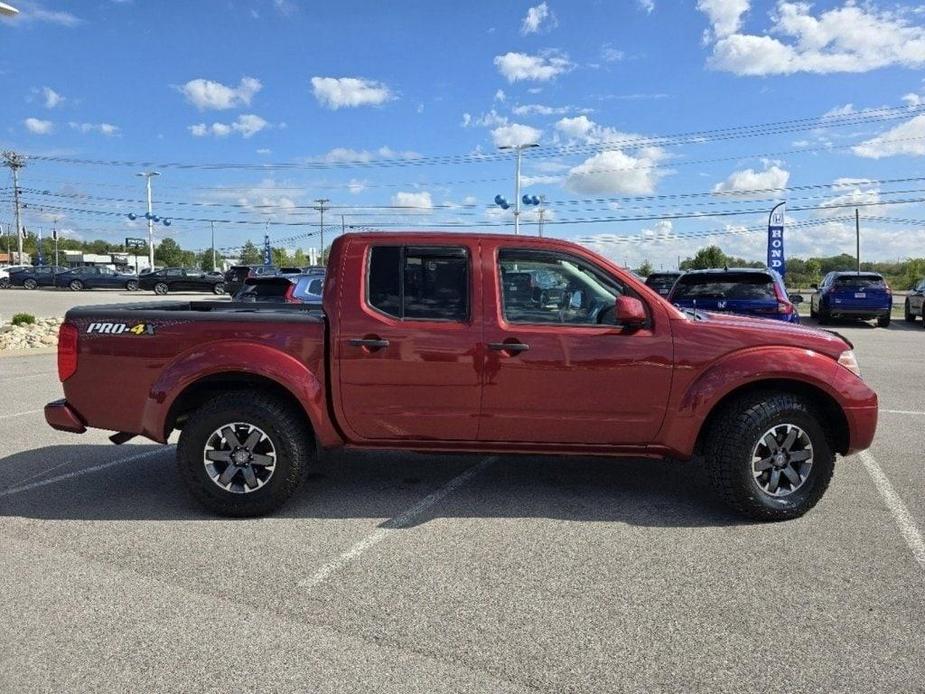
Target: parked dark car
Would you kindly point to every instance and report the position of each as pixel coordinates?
(860, 295)
(79, 278)
(33, 277)
(747, 291)
(290, 289)
(662, 282)
(915, 303)
(234, 278)
(178, 279)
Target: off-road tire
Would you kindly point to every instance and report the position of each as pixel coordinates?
(282, 424)
(729, 443)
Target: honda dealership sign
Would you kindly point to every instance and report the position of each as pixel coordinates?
(776, 259)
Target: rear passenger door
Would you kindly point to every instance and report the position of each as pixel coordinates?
(408, 350)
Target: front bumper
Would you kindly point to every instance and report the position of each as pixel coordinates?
(63, 417)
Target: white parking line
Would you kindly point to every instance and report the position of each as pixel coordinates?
(19, 414)
(912, 412)
(397, 523)
(904, 520)
(85, 471)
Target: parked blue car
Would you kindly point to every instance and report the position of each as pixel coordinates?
(860, 295)
(746, 291)
(80, 278)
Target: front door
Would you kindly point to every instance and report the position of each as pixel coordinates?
(408, 352)
(558, 369)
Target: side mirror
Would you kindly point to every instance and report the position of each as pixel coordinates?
(814, 286)
(796, 299)
(629, 311)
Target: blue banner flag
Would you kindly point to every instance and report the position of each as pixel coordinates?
(776, 258)
(267, 256)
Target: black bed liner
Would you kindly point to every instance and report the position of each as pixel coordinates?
(201, 311)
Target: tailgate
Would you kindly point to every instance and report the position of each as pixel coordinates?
(861, 298)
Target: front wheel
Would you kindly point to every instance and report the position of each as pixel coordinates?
(30, 283)
(883, 321)
(908, 315)
(218, 289)
(132, 285)
(242, 454)
(75, 285)
(160, 288)
(768, 456)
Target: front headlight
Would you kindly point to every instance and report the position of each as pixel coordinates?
(850, 362)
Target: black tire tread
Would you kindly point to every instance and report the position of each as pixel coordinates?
(293, 435)
(729, 431)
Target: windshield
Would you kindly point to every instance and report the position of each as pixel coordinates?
(661, 283)
(743, 286)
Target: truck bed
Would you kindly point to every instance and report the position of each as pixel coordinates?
(200, 310)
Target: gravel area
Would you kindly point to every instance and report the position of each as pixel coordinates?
(43, 333)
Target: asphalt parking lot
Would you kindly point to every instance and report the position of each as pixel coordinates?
(428, 573)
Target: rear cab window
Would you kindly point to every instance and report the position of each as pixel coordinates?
(862, 281)
(732, 285)
(419, 283)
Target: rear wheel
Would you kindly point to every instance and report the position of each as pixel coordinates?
(768, 456)
(160, 288)
(218, 289)
(823, 316)
(30, 283)
(883, 321)
(242, 454)
(908, 315)
(4, 283)
(75, 285)
(132, 285)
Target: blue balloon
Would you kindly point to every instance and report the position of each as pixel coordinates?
(534, 200)
(526, 200)
(505, 204)
(166, 222)
(498, 200)
(155, 218)
(132, 216)
(148, 215)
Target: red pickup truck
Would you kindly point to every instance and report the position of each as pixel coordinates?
(461, 343)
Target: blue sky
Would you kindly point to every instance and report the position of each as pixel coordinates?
(394, 111)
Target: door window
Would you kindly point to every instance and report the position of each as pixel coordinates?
(416, 283)
(543, 287)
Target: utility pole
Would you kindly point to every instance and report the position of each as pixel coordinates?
(212, 224)
(541, 210)
(518, 149)
(54, 235)
(321, 203)
(857, 235)
(15, 162)
(150, 215)
(343, 226)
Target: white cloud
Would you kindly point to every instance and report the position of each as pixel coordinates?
(420, 200)
(539, 18)
(850, 38)
(851, 191)
(520, 66)
(614, 172)
(349, 92)
(587, 131)
(906, 138)
(206, 94)
(52, 98)
(107, 129)
(356, 186)
(845, 110)
(247, 125)
(725, 15)
(36, 12)
(37, 126)
(540, 110)
(263, 151)
(500, 95)
(646, 5)
(609, 54)
(515, 134)
(912, 100)
(740, 183)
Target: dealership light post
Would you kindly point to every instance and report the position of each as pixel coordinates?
(149, 215)
(8, 10)
(518, 149)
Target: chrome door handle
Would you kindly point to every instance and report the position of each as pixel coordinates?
(371, 343)
(508, 346)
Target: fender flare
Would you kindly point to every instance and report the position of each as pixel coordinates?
(236, 357)
(776, 363)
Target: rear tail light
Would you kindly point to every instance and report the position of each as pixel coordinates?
(288, 296)
(67, 351)
(784, 307)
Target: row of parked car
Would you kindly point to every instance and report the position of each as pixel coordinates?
(761, 292)
(244, 282)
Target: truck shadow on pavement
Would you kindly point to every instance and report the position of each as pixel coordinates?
(381, 486)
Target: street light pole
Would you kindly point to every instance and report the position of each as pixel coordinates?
(518, 149)
(321, 203)
(212, 224)
(150, 216)
(15, 162)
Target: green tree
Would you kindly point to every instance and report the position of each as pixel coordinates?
(250, 254)
(280, 257)
(169, 254)
(645, 269)
(298, 258)
(205, 260)
(705, 258)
